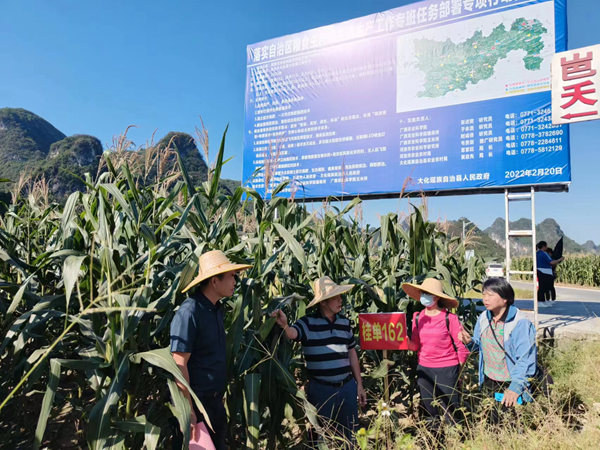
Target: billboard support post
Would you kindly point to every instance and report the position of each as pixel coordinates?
(511, 197)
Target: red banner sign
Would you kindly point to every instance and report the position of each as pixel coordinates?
(576, 85)
(383, 331)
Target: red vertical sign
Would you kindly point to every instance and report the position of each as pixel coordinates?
(575, 90)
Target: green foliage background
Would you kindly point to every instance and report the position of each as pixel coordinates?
(88, 291)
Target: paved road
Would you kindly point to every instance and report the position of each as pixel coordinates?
(575, 313)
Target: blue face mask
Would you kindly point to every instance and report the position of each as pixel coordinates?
(426, 299)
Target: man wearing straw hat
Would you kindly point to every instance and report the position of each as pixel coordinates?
(198, 340)
(328, 345)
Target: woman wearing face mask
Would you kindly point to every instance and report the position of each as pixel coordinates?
(441, 353)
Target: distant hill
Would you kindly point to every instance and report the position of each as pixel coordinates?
(25, 140)
(24, 136)
(29, 144)
(548, 230)
(67, 160)
(590, 247)
(477, 240)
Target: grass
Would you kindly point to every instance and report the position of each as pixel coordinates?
(568, 419)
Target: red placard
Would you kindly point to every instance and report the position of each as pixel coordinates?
(383, 331)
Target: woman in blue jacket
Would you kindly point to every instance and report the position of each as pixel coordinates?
(505, 338)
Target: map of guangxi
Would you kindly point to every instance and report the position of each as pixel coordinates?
(448, 66)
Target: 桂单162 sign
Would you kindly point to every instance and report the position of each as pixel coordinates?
(383, 331)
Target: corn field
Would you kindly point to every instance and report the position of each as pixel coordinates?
(88, 291)
(581, 270)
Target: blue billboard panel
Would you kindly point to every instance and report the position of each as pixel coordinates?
(448, 94)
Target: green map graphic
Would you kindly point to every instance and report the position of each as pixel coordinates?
(449, 66)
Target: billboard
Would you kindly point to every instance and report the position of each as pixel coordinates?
(453, 94)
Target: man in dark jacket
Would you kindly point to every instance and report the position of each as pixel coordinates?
(198, 342)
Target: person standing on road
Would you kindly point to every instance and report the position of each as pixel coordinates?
(505, 338)
(552, 289)
(441, 353)
(198, 342)
(545, 263)
(329, 349)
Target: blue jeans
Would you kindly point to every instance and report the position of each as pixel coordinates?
(337, 407)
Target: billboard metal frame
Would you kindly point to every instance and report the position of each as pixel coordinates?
(551, 187)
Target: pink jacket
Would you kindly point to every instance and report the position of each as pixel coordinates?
(433, 342)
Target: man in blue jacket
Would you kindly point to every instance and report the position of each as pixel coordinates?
(505, 338)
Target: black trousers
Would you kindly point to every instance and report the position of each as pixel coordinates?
(552, 289)
(439, 384)
(546, 285)
(498, 411)
(218, 418)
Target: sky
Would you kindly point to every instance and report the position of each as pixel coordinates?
(96, 67)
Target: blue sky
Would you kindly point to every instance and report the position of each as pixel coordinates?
(97, 67)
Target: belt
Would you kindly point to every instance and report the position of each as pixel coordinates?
(337, 384)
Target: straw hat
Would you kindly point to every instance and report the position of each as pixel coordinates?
(214, 263)
(433, 287)
(325, 289)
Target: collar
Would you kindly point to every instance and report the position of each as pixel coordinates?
(508, 315)
(322, 316)
(204, 301)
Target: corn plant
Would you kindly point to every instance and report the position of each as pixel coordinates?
(88, 291)
(582, 270)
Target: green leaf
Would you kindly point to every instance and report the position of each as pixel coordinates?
(162, 358)
(151, 435)
(234, 205)
(99, 429)
(136, 425)
(192, 190)
(280, 187)
(131, 183)
(13, 261)
(148, 235)
(71, 269)
(125, 205)
(182, 221)
(17, 298)
(251, 410)
(68, 211)
(181, 409)
(350, 206)
(116, 441)
(293, 244)
(382, 370)
(216, 175)
(83, 364)
(172, 196)
(47, 403)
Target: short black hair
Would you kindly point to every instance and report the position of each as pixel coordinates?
(541, 245)
(501, 287)
(204, 283)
